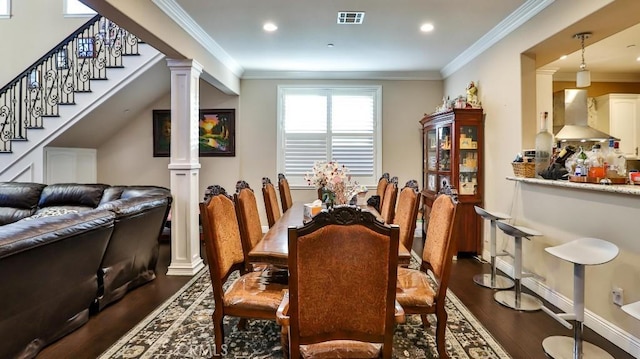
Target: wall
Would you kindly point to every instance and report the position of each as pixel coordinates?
(127, 157)
(600, 88)
(507, 92)
(39, 31)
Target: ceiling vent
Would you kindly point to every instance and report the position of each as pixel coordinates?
(350, 17)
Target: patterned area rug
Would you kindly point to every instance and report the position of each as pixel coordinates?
(182, 328)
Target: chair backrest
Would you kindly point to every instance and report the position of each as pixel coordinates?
(221, 234)
(388, 206)
(382, 185)
(340, 260)
(285, 192)
(270, 201)
(248, 217)
(407, 212)
(439, 246)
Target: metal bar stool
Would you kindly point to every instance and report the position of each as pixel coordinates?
(493, 280)
(515, 299)
(633, 309)
(580, 252)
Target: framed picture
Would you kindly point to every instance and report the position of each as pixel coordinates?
(216, 133)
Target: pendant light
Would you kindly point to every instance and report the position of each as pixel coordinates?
(583, 76)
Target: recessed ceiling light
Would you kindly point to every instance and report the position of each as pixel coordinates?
(330, 45)
(563, 57)
(426, 28)
(270, 27)
(638, 58)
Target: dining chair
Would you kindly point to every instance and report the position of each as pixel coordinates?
(407, 212)
(248, 221)
(388, 207)
(376, 200)
(416, 293)
(341, 260)
(245, 296)
(270, 201)
(285, 192)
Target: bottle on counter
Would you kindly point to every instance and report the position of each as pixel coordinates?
(581, 163)
(596, 162)
(544, 145)
(619, 161)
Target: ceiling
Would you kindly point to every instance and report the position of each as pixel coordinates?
(611, 59)
(389, 40)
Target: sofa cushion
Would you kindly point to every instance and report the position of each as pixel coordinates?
(72, 194)
(18, 200)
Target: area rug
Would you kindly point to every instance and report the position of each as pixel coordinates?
(182, 328)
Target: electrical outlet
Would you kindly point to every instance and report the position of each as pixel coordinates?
(618, 296)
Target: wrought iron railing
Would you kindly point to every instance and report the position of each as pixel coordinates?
(54, 79)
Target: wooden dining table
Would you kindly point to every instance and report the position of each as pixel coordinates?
(273, 248)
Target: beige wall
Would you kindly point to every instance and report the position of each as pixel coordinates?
(39, 32)
(507, 92)
(127, 158)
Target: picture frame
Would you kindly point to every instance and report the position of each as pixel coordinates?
(216, 133)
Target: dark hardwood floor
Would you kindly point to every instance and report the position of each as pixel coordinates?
(520, 333)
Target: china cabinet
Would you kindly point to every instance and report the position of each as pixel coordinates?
(453, 155)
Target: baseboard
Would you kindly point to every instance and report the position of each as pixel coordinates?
(606, 329)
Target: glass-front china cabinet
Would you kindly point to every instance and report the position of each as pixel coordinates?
(453, 155)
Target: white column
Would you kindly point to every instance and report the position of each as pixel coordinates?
(184, 168)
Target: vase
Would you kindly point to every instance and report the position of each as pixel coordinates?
(328, 197)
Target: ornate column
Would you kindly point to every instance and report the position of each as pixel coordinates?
(184, 168)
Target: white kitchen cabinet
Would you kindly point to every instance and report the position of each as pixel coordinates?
(620, 112)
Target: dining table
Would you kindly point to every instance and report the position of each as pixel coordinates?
(273, 248)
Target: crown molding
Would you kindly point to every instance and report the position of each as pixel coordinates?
(177, 14)
(523, 14)
(342, 75)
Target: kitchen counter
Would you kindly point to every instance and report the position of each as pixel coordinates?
(616, 188)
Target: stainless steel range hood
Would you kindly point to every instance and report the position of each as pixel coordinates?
(570, 109)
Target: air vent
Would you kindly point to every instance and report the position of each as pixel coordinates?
(350, 17)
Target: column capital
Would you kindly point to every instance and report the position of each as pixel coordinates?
(184, 64)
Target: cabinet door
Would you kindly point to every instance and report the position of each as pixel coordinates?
(623, 122)
(468, 160)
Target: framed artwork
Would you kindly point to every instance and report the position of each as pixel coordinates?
(216, 133)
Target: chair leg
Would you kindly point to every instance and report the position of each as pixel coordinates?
(218, 331)
(242, 324)
(441, 327)
(425, 321)
(284, 341)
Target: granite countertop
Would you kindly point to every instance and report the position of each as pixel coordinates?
(615, 188)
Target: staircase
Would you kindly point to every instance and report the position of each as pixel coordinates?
(61, 88)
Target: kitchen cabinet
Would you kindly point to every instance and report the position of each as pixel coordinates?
(453, 143)
(620, 112)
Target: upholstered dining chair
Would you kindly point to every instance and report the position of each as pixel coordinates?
(323, 310)
(415, 292)
(388, 207)
(285, 192)
(407, 212)
(244, 297)
(270, 201)
(249, 222)
(376, 200)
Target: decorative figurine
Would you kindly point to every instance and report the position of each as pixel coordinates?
(472, 95)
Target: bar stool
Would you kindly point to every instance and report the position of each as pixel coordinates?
(580, 252)
(633, 309)
(493, 280)
(515, 299)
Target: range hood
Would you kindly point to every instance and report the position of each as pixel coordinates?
(570, 111)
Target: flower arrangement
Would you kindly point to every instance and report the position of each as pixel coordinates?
(334, 180)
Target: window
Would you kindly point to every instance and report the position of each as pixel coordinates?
(5, 9)
(337, 124)
(76, 8)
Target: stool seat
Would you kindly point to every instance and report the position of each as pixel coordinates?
(517, 231)
(633, 309)
(586, 251)
(492, 216)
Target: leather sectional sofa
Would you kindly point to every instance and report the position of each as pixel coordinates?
(67, 250)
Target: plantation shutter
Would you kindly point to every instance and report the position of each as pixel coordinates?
(329, 124)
